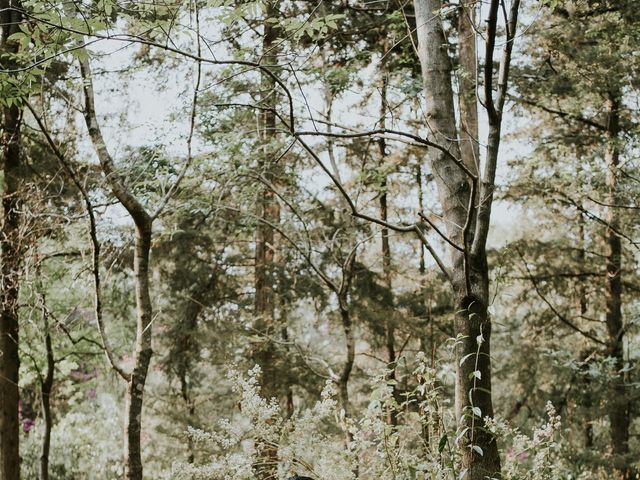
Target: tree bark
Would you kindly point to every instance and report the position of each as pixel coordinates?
(392, 414)
(267, 324)
(467, 98)
(347, 326)
(269, 210)
(143, 352)
(46, 387)
(618, 404)
(343, 380)
(469, 270)
(9, 329)
(10, 251)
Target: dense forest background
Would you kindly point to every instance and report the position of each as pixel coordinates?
(333, 239)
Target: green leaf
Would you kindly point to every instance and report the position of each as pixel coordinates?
(463, 359)
(442, 443)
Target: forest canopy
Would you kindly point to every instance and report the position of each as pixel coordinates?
(319, 239)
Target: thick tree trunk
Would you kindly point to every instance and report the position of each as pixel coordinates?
(469, 272)
(473, 386)
(467, 98)
(10, 251)
(265, 354)
(11, 265)
(618, 405)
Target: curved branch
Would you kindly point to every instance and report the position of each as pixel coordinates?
(192, 123)
(142, 41)
(555, 311)
(95, 267)
(354, 211)
(137, 211)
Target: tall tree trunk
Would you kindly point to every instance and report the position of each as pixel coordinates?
(618, 404)
(342, 293)
(427, 341)
(46, 387)
(268, 210)
(10, 251)
(11, 265)
(143, 352)
(265, 352)
(143, 221)
(585, 357)
(392, 414)
(343, 380)
(469, 272)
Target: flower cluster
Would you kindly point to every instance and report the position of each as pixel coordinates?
(323, 443)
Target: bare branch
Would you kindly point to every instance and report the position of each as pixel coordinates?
(95, 267)
(555, 311)
(354, 211)
(192, 122)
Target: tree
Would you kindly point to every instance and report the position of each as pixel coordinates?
(588, 132)
(466, 199)
(11, 248)
(317, 201)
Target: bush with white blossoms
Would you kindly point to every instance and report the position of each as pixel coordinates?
(314, 442)
(535, 457)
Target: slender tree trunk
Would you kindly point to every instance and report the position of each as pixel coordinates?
(582, 311)
(347, 368)
(136, 379)
(469, 272)
(618, 406)
(143, 352)
(343, 380)
(11, 265)
(10, 252)
(426, 338)
(269, 210)
(422, 264)
(46, 387)
(392, 414)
